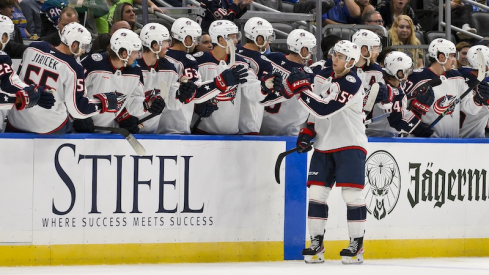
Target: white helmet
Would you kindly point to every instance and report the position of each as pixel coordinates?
(472, 55)
(351, 50)
(154, 32)
(298, 39)
(223, 28)
(443, 46)
(75, 32)
(183, 27)
(257, 26)
(6, 26)
(398, 64)
(369, 39)
(125, 39)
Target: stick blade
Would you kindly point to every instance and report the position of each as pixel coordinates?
(372, 95)
(138, 148)
(482, 66)
(278, 163)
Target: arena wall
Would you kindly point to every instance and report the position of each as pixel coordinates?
(89, 199)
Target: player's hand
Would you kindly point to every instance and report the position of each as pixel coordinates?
(108, 102)
(31, 96)
(296, 83)
(231, 77)
(385, 94)
(46, 97)
(481, 96)
(84, 125)
(421, 104)
(205, 109)
(186, 92)
(154, 104)
(126, 121)
(306, 135)
(422, 130)
(271, 83)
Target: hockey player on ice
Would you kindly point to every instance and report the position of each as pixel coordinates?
(259, 34)
(233, 80)
(473, 126)
(284, 117)
(442, 57)
(193, 95)
(116, 70)
(398, 66)
(336, 124)
(57, 67)
(14, 92)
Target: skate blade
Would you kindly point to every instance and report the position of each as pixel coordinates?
(315, 259)
(358, 259)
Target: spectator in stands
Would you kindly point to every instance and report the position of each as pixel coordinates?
(205, 44)
(68, 15)
(393, 9)
(19, 20)
(483, 2)
(460, 15)
(347, 12)
(462, 49)
(274, 4)
(484, 42)
(31, 10)
(385, 51)
(7, 9)
(402, 32)
(102, 41)
(125, 11)
(308, 6)
(373, 18)
(221, 10)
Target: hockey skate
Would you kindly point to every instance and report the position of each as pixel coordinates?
(353, 254)
(314, 254)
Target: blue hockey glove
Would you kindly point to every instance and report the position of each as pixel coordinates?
(186, 92)
(230, 77)
(108, 102)
(481, 97)
(306, 135)
(83, 125)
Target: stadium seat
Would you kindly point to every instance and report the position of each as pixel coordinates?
(432, 35)
(480, 21)
(420, 36)
(341, 32)
(288, 7)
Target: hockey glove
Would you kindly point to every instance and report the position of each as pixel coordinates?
(422, 130)
(230, 77)
(421, 104)
(186, 92)
(83, 125)
(32, 95)
(205, 109)
(481, 97)
(125, 120)
(306, 135)
(271, 83)
(154, 104)
(385, 94)
(108, 102)
(296, 83)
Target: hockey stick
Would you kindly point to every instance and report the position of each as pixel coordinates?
(280, 157)
(374, 119)
(480, 76)
(372, 96)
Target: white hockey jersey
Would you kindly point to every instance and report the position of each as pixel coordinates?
(10, 82)
(452, 86)
(225, 120)
(473, 126)
(336, 108)
(161, 79)
(126, 82)
(44, 65)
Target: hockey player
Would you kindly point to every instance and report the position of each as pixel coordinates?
(116, 70)
(336, 124)
(233, 80)
(185, 35)
(285, 118)
(58, 68)
(213, 10)
(442, 57)
(259, 34)
(398, 66)
(473, 126)
(14, 92)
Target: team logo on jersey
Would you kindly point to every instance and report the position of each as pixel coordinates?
(96, 57)
(350, 79)
(383, 180)
(199, 54)
(228, 95)
(189, 56)
(444, 103)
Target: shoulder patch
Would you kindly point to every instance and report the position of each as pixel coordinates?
(350, 79)
(308, 70)
(3, 53)
(189, 56)
(97, 57)
(418, 70)
(265, 58)
(199, 54)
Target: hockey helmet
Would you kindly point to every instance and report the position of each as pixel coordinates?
(6, 27)
(183, 27)
(398, 65)
(349, 49)
(443, 46)
(298, 39)
(367, 38)
(223, 28)
(154, 32)
(75, 32)
(125, 39)
(472, 55)
(257, 26)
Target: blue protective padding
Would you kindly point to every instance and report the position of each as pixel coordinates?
(295, 204)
